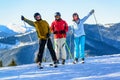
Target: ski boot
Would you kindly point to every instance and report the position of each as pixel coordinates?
(63, 61)
(82, 61)
(75, 61)
(40, 66)
(55, 64)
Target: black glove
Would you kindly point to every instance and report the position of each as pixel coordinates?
(22, 17)
(62, 32)
(48, 35)
(55, 32)
(92, 11)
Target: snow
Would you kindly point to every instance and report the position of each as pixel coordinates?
(95, 68)
(17, 42)
(109, 25)
(5, 32)
(16, 28)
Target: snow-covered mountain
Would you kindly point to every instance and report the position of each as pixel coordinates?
(5, 32)
(110, 43)
(95, 68)
(21, 43)
(17, 43)
(100, 40)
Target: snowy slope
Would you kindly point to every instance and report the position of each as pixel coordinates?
(95, 68)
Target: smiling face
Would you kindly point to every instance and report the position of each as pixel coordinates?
(57, 17)
(38, 17)
(75, 17)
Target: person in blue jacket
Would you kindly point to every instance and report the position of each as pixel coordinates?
(79, 36)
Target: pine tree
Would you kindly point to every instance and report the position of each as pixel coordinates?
(1, 64)
(13, 63)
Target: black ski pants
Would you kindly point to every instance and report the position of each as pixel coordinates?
(49, 46)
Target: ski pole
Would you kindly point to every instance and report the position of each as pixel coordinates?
(70, 54)
(98, 27)
(69, 50)
(70, 45)
(26, 28)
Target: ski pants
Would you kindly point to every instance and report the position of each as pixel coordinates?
(79, 47)
(49, 46)
(60, 47)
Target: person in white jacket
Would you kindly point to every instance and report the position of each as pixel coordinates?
(79, 36)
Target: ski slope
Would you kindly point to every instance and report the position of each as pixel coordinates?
(95, 68)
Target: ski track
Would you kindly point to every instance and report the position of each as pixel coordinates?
(95, 68)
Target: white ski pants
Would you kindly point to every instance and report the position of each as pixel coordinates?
(60, 48)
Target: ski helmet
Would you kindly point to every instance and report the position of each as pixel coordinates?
(37, 14)
(57, 14)
(75, 14)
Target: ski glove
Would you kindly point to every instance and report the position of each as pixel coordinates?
(22, 17)
(48, 35)
(62, 32)
(92, 11)
(55, 32)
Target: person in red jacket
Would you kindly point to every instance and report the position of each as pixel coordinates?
(59, 28)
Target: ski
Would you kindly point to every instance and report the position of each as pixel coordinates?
(82, 62)
(50, 64)
(46, 66)
(40, 67)
(53, 65)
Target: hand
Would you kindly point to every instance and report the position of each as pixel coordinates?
(22, 17)
(48, 35)
(55, 32)
(62, 32)
(92, 11)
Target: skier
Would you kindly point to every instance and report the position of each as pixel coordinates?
(43, 31)
(59, 28)
(79, 36)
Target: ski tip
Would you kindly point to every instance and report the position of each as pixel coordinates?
(55, 66)
(40, 67)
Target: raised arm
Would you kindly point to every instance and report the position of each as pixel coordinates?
(86, 17)
(27, 21)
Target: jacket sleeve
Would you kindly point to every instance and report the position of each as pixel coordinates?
(72, 28)
(48, 28)
(52, 27)
(29, 22)
(86, 17)
(66, 29)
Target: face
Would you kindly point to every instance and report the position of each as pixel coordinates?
(38, 17)
(75, 17)
(57, 17)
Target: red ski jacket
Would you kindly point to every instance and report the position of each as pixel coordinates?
(59, 28)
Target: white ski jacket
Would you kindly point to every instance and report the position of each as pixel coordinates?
(78, 26)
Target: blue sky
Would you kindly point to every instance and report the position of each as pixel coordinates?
(106, 11)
